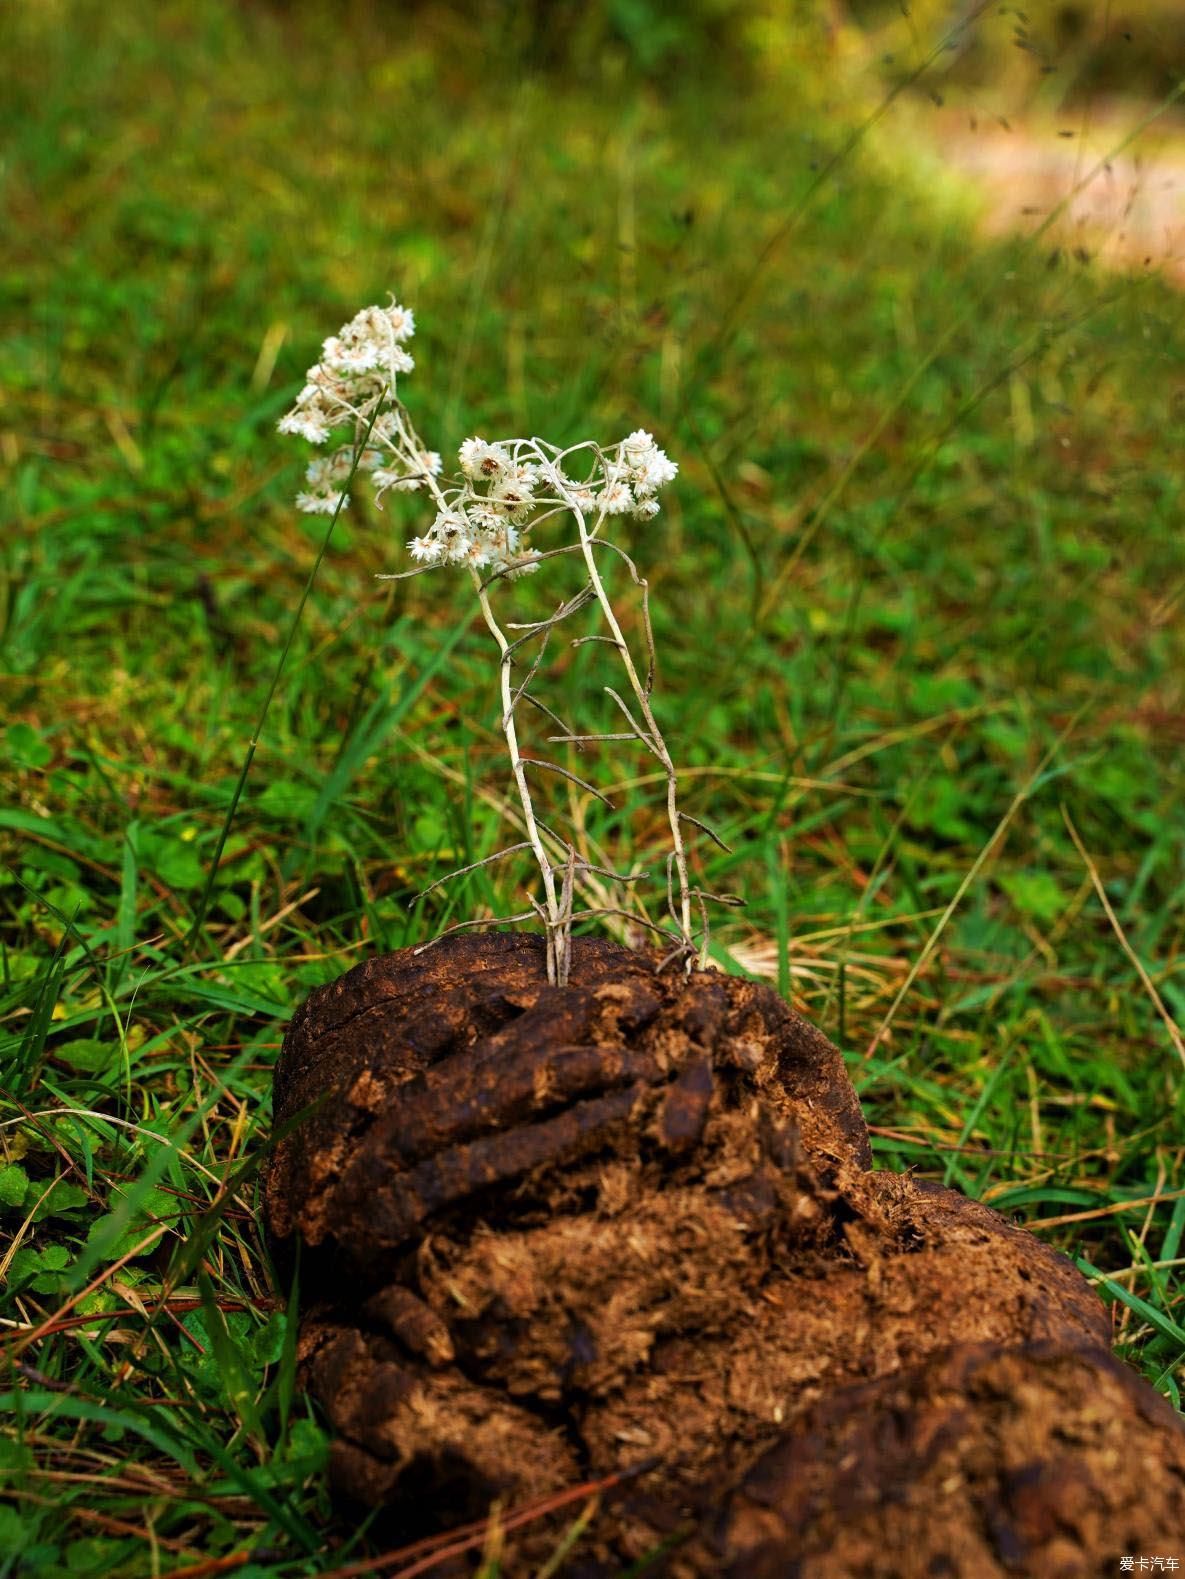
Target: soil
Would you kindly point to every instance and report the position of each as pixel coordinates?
(549, 1235)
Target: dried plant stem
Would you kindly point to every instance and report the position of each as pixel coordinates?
(554, 921)
(485, 513)
(653, 734)
(556, 910)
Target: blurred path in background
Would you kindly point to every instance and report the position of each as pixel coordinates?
(1029, 106)
(1129, 214)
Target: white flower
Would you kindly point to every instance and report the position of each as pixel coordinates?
(401, 319)
(488, 523)
(425, 549)
(582, 496)
(322, 503)
(458, 548)
(515, 498)
(306, 424)
(513, 493)
(386, 428)
(480, 553)
(399, 474)
(349, 360)
(482, 461)
(486, 512)
(615, 498)
(638, 443)
(646, 466)
(451, 530)
(655, 471)
(393, 477)
(370, 344)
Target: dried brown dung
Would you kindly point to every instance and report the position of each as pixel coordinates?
(549, 1234)
(981, 1461)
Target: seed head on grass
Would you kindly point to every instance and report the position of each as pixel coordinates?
(486, 515)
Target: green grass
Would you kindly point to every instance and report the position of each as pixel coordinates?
(918, 602)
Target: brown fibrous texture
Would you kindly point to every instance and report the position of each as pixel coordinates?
(548, 1235)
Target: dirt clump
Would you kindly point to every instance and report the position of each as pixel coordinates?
(980, 1462)
(549, 1235)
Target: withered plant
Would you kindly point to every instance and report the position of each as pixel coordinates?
(488, 515)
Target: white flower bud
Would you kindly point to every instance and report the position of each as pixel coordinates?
(483, 462)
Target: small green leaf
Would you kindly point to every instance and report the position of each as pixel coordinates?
(88, 1055)
(307, 1445)
(14, 1532)
(14, 1185)
(267, 1342)
(64, 1197)
(233, 1359)
(1035, 894)
(287, 801)
(24, 1264)
(28, 750)
(174, 858)
(113, 1234)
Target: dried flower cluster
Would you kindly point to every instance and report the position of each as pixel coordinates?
(486, 512)
(485, 515)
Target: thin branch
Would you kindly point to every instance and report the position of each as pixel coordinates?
(703, 913)
(520, 691)
(1170, 1024)
(703, 828)
(566, 773)
(605, 871)
(554, 924)
(682, 951)
(647, 628)
(482, 921)
(555, 718)
(639, 732)
(578, 600)
(583, 641)
(562, 740)
(474, 866)
(567, 884)
(545, 630)
(630, 915)
(550, 553)
(404, 575)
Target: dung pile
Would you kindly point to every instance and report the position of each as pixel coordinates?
(549, 1234)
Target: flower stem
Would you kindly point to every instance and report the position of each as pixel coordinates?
(656, 742)
(556, 922)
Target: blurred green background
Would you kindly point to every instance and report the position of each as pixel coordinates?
(917, 592)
